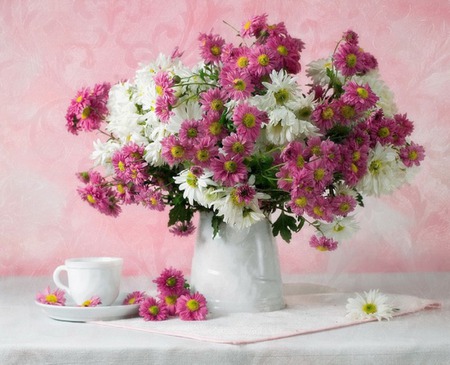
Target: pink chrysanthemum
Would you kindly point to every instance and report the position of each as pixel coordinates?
(163, 109)
(300, 199)
(237, 145)
(248, 120)
(412, 155)
(56, 297)
(92, 302)
(93, 177)
(152, 310)
(343, 205)
(236, 83)
(351, 37)
(214, 127)
(204, 151)
(348, 59)
(254, 26)
(229, 170)
(173, 151)
(287, 53)
(191, 131)
(126, 193)
(192, 307)
(164, 86)
(323, 243)
(135, 297)
(129, 164)
(88, 109)
(170, 282)
(211, 47)
(102, 198)
(324, 116)
(320, 208)
(151, 198)
(360, 96)
(284, 177)
(381, 129)
(213, 100)
(404, 127)
(182, 229)
(263, 60)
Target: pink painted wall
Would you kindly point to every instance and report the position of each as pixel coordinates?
(49, 49)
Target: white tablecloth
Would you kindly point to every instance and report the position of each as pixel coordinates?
(27, 336)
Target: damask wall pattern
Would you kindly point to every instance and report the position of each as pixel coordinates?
(51, 48)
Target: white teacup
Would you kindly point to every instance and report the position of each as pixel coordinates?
(91, 276)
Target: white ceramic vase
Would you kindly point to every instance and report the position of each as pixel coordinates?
(238, 270)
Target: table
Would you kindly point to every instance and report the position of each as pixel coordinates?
(27, 336)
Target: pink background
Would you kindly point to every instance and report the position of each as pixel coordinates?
(50, 49)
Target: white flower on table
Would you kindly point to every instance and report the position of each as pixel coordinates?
(368, 305)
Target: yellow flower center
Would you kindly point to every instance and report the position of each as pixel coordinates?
(216, 105)
(319, 174)
(121, 166)
(131, 300)
(79, 99)
(177, 151)
(303, 113)
(354, 168)
(370, 308)
(344, 207)
(301, 202)
(300, 161)
(356, 156)
(247, 25)
(202, 155)
(282, 50)
(327, 113)
(249, 120)
(242, 62)
(215, 128)
(239, 84)
(238, 147)
(235, 199)
(215, 50)
(192, 132)
(86, 303)
(322, 248)
(338, 228)
(412, 155)
(383, 132)
(120, 188)
(171, 299)
(51, 298)
(362, 93)
(86, 112)
(348, 111)
(171, 281)
(153, 310)
(191, 180)
(375, 167)
(90, 199)
(192, 305)
(230, 166)
(159, 90)
(318, 211)
(263, 59)
(281, 96)
(350, 60)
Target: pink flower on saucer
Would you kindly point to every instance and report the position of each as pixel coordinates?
(50, 297)
(135, 297)
(93, 302)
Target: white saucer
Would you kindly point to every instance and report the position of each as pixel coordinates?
(72, 313)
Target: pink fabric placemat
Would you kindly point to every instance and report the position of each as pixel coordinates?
(303, 314)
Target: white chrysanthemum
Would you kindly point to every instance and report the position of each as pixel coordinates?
(369, 305)
(317, 71)
(239, 214)
(386, 96)
(282, 89)
(103, 152)
(385, 172)
(153, 149)
(123, 119)
(283, 126)
(342, 228)
(194, 187)
(185, 111)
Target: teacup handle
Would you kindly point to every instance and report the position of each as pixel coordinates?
(56, 278)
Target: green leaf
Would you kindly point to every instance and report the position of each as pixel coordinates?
(216, 221)
(359, 199)
(179, 213)
(338, 133)
(284, 226)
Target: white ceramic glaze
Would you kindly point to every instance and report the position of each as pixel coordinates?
(91, 276)
(238, 270)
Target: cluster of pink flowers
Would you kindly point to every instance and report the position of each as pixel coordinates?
(173, 299)
(88, 109)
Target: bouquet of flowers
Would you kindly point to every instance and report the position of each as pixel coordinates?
(238, 136)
